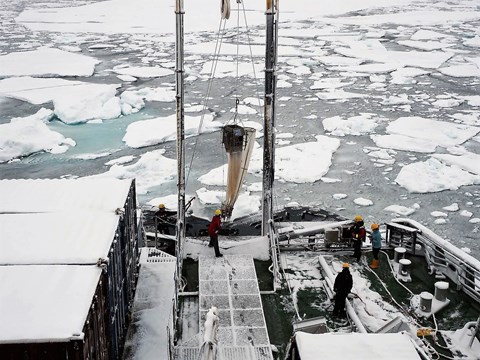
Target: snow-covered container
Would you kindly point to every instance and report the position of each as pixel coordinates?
(53, 312)
(91, 223)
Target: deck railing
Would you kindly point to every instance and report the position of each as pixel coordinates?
(441, 256)
(274, 252)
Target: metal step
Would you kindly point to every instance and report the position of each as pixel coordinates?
(228, 353)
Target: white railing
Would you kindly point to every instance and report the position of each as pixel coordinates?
(274, 251)
(445, 258)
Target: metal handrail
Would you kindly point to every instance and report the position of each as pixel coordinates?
(273, 236)
(459, 267)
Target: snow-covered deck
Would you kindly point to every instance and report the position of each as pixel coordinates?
(335, 346)
(152, 310)
(230, 284)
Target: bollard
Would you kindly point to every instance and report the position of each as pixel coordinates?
(399, 254)
(404, 267)
(426, 301)
(441, 290)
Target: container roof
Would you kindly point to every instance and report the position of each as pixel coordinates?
(45, 303)
(335, 346)
(52, 195)
(56, 238)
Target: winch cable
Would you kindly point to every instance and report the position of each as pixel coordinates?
(295, 306)
(256, 82)
(433, 352)
(216, 55)
(398, 281)
(406, 312)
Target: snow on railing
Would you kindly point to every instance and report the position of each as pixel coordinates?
(460, 267)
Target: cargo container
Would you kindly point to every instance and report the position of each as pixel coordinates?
(74, 229)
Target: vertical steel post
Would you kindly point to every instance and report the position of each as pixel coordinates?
(269, 115)
(179, 97)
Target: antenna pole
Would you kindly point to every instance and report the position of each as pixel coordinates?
(269, 114)
(179, 97)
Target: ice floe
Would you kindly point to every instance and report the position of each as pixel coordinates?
(363, 201)
(428, 130)
(150, 170)
(469, 162)
(400, 210)
(73, 101)
(46, 62)
(162, 129)
(143, 71)
(355, 125)
(433, 176)
(294, 162)
(28, 135)
(453, 207)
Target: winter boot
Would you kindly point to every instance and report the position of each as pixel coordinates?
(374, 264)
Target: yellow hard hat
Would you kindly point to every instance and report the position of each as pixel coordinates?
(345, 265)
(161, 206)
(374, 226)
(358, 218)
(218, 212)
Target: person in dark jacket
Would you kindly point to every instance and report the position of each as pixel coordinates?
(213, 228)
(358, 236)
(161, 219)
(342, 286)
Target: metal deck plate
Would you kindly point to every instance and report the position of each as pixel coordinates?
(230, 283)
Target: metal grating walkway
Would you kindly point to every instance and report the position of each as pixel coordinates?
(230, 283)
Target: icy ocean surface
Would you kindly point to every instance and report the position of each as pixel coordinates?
(378, 103)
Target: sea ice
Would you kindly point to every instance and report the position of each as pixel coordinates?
(453, 207)
(217, 176)
(74, 101)
(440, 132)
(159, 130)
(405, 143)
(150, 170)
(144, 71)
(400, 210)
(355, 125)
(25, 136)
(363, 202)
(433, 176)
(425, 45)
(438, 214)
(469, 161)
(466, 70)
(294, 162)
(46, 62)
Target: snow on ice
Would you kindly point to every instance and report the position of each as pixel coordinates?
(433, 176)
(28, 135)
(160, 130)
(46, 62)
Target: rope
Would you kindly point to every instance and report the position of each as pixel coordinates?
(290, 290)
(251, 54)
(218, 46)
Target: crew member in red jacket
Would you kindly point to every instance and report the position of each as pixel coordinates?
(213, 229)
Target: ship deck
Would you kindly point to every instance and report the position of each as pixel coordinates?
(230, 284)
